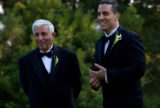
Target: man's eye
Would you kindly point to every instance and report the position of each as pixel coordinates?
(105, 13)
(44, 34)
(36, 34)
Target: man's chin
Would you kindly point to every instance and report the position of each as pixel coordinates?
(103, 29)
(42, 48)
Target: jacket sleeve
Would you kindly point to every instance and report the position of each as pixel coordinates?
(23, 75)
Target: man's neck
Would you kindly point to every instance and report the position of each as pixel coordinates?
(112, 28)
(47, 50)
(112, 31)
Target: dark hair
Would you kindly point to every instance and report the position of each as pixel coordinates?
(115, 6)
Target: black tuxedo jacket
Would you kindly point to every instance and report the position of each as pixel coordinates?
(63, 87)
(125, 64)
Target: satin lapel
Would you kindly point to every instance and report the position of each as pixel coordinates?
(36, 66)
(54, 66)
(53, 59)
(99, 52)
(112, 40)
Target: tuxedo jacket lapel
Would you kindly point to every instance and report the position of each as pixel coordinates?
(54, 66)
(34, 59)
(100, 50)
(53, 60)
(112, 40)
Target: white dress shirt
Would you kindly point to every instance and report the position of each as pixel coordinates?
(106, 46)
(47, 61)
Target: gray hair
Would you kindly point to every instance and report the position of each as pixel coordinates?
(115, 6)
(41, 22)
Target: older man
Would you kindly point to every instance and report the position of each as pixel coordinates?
(49, 75)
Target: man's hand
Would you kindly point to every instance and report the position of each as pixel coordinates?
(100, 74)
(95, 83)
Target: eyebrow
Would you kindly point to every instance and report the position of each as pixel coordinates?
(103, 12)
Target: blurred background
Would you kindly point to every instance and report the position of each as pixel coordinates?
(76, 28)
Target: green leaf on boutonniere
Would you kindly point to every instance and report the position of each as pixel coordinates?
(56, 61)
(117, 38)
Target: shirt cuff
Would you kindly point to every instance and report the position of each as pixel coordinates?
(106, 79)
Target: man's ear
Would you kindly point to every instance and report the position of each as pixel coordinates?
(117, 15)
(54, 34)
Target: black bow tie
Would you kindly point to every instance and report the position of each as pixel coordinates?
(111, 37)
(49, 54)
(107, 38)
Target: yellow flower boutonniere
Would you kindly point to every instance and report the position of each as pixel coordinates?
(56, 61)
(117, 38)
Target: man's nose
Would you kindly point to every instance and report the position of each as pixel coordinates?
(100, 16)
(40, 37)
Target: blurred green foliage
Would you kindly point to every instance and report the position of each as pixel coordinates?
(76, 29)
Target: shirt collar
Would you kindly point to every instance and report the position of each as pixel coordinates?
(47, 50)
(112, 32)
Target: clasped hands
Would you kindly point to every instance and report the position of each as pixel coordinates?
(97, 76)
